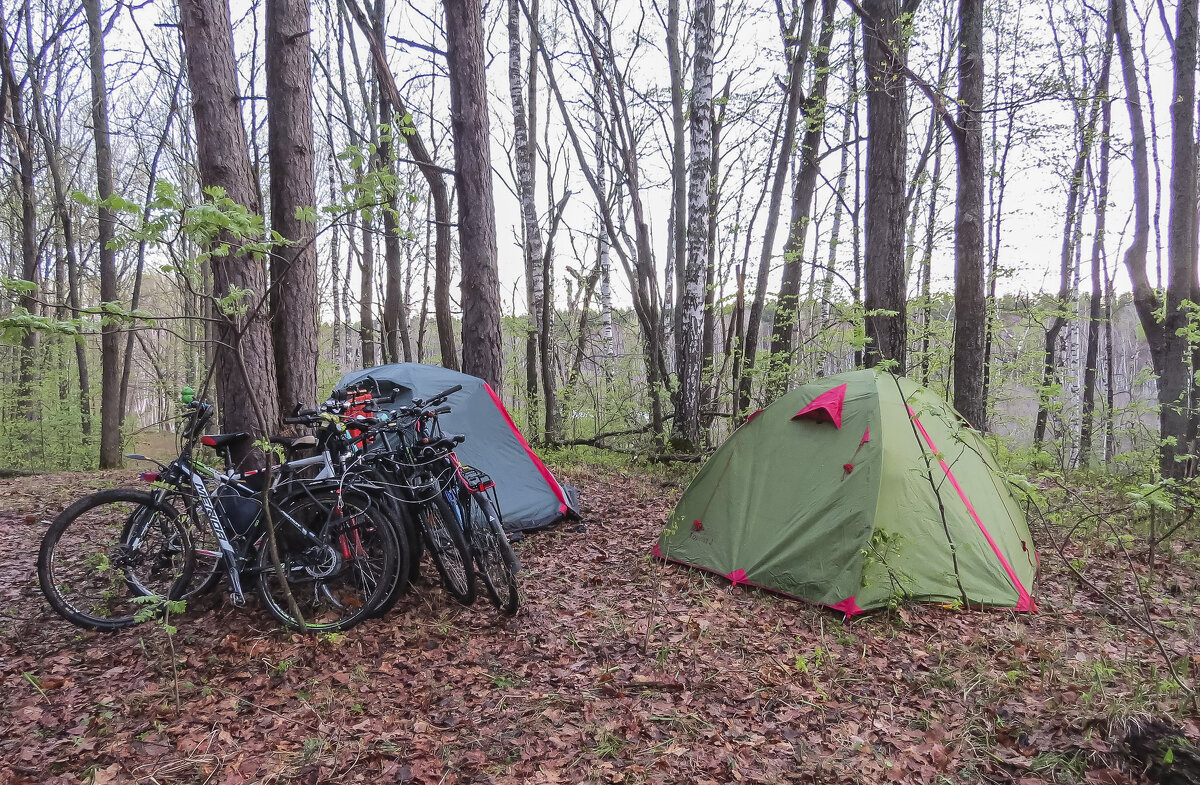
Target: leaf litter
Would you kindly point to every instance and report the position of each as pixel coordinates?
(618, 669)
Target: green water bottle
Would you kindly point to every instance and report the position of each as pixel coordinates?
(187, 394)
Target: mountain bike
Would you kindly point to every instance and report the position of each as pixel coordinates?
(105, 557)
(384, 444)
(453, 496)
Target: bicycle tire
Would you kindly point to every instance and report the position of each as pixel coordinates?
(494, 558)
(210, 565)
(126, 551)
(395, 517)
(339, 584)
(446, 545)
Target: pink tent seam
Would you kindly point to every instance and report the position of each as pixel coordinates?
(1025, 602)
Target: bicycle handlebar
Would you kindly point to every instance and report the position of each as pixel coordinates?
(443, 395)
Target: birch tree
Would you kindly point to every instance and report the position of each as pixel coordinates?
(685, 431)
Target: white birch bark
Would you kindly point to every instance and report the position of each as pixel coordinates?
(686, 428)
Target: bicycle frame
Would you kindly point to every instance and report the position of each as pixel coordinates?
(234, 557)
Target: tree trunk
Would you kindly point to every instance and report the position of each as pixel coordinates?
(473, 177)
(244, 341)
(62, 212)
(639, 260)
(786, 310)
(1145, 299)
(110, 344)
(293, 201)
(970, 305)
(887, 115)
(437, 190)
(1176, 383)
(685, 429)
(1098, 277)
(782, 165)
(1085, 126)
(708, 374)
(526, 196)
(28, 300)
(396, 339)
(366, 289)
(677, 245)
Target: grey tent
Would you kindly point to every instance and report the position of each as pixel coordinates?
(530, 497)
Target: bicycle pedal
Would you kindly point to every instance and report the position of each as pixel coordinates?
(238, 599)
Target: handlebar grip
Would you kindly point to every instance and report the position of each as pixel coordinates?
(448, 393)
(297, 421)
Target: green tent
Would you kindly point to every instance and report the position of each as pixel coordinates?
(853, 491)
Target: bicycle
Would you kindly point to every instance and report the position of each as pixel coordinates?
(340, 558)
(453, 490)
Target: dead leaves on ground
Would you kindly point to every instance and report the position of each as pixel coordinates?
(618, 669)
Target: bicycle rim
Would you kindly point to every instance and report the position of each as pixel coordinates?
(110, 560)
(448, 550)
(487, 548)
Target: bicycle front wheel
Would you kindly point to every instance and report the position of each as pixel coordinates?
(111, 559)
(448, 547)
(210, 562)
(339, 557)
(492, 553)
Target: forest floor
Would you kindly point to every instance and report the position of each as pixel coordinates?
(727, 686)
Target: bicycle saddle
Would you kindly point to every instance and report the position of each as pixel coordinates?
(294, 442)
(223, 440)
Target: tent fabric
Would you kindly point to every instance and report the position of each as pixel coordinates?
(529, 495)
(826, 407)
(901, 501)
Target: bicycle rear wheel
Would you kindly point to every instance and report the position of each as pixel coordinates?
(341, 578)
(444, 538)
(111, 559)
(494, 557)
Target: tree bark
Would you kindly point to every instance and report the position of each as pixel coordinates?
(1175, 385)
(481, 352)
(685, 429)
(110, 345)
(224, 162)
(293, 189)
(886, 212)
(677, 245)
(787, 308)
(970, 304)
(532, 233)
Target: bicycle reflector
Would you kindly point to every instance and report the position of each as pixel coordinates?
(149, 476)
